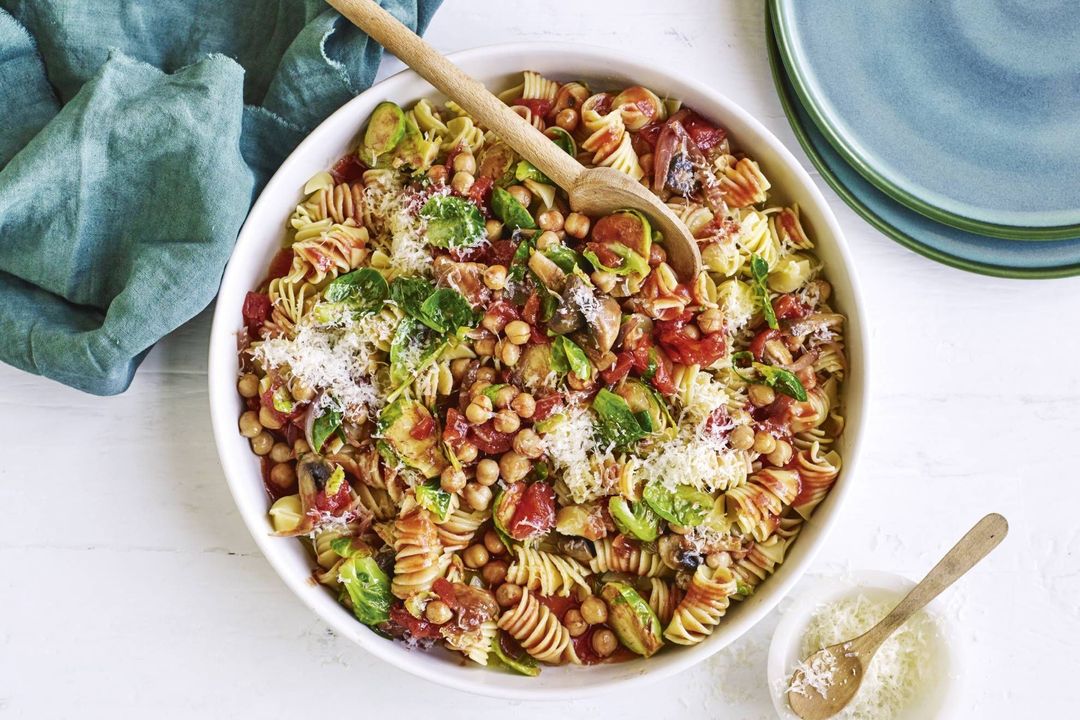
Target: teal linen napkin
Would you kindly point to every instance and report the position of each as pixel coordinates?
(134, 135)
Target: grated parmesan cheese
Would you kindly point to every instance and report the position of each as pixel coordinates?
(693, 458)
(572, 449)
(338, 359)
(895, 673)
(402, 228)
(587, 303)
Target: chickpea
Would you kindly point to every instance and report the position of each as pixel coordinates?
(486, 374)
(494, 572)
(452, 480)
(495, 277)
(459, 367)
(248, 385)
(574, 623)
(261, 443)
(711, 321)
(493, 322)
(547, 240)
(462, 182)
(528, 444)
(518, 332)
(718, 559)
(438, 174)
(281, 452)
(479, 410)
(692, 332)
(524, 405)
(764, 443)
(742, 437)
(761, 395)
(514, 467)
(283, 475)
(508, 595)
(487, 472)
(249, 424)
(781, 454)
(465, 162)
(494, 229)
(494, 543)
(507, 421)
(477, 496)
(604, 642)
(594, 610)
(550, 220)
(438, 612)
(577, 225)
(521, 194)
(300, 447)
(504, 396)
(301, 392)
(485, 346)
(577, 383)
(510, 353)
(567, 119)
(268, 419)
(657, 255)
(467, 452)
(475, 556)
(604, 280)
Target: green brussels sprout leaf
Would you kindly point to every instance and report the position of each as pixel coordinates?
(447, 311)
(617, 424)
(453, 222)
(563, 139)
(513, 214)
(635, 519)
(523, 664)
(436, 500)
(368, 588)
(634, 622)
(363, 291)
(567, 356)
(409, 293)
(632, 262)
(684, 506)
(324, 426)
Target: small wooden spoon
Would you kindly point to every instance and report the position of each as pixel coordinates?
(850, 659)
(593, 191)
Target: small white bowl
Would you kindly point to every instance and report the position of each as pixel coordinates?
(260, 238)
(941, 692)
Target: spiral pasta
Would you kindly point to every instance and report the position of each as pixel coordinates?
(474, 644)
(818, 471)
(757, 505)
(630, 558)
(548, 573)
(538, 631)
(706, 601)
(460, 527)
(418, 553)
(609, 141)
(742, 182)
(664, 597)
(763, 557)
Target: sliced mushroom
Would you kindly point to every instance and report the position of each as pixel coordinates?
(465, 277)
(550, 274)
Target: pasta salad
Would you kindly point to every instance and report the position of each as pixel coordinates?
(510, 428)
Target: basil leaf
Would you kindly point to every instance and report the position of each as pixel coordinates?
(363, 291)
(436, 500)
(759, 269)
(617, 424)
(635, 519)
(453, 222)
(683, 506)
(446, 311)
(781, 380)
(368, 589)
(409, 293)
(566, 357)
(324, 426)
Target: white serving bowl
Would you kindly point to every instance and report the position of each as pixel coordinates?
(499, 66)
(939, 696)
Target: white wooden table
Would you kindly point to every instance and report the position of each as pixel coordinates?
(130, 588)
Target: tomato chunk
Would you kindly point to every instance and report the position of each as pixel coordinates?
(419, 628)
(255, 310)
(535, 513)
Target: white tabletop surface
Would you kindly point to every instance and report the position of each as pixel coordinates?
(130, 588)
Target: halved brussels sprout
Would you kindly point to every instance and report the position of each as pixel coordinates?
(634, 622)
(385, 129)
(513, 214)
(584, 520)
(397, 425)
(635, 519)
(644, 403)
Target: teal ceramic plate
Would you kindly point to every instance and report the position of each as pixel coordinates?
(967, 111)
(945, 244)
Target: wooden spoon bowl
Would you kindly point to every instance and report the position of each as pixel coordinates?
(592, 191)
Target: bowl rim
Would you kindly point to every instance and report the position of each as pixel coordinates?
(788, 634)
(222, 372)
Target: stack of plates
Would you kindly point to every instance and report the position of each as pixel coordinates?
(953, 126)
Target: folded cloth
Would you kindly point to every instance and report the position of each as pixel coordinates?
(134, 135)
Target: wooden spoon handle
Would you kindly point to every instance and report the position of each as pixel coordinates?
(491, 112)
(973, 547)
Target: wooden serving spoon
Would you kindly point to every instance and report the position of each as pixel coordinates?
(592, 191)
(851, 658)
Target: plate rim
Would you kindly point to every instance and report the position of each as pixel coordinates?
(781, 30)
(862, 210)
